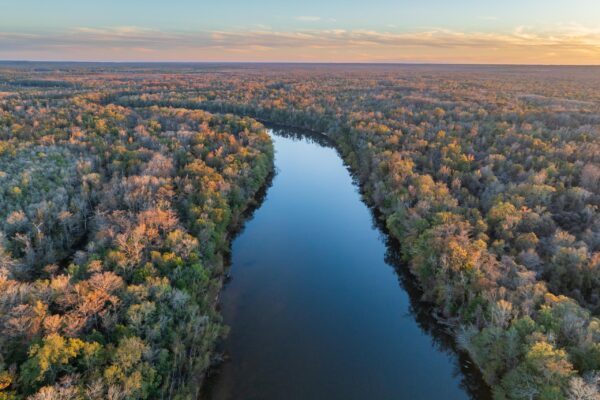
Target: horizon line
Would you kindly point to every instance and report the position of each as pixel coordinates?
(507, 64)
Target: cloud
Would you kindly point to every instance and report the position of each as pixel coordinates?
(308, 18)
(567, 43)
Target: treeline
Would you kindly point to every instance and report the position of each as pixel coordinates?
(490, 180)
(113, 225)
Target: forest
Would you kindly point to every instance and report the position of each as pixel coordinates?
(115, 223)
(120, 185)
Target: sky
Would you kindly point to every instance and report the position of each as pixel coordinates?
(418, 31)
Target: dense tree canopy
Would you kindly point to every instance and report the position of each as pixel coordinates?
(489, 177)
(113, 225)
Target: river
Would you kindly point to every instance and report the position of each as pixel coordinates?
(318, 305)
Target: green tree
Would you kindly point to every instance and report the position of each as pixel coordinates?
(46, 361)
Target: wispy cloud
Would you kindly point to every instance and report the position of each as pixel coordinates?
(308, 18)
(567, 43)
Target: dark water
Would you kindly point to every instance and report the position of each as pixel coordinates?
(316, 307)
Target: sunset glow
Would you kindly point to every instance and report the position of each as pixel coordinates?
(536, 32)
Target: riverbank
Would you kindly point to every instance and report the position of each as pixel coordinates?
(312, 278)
(433, 319)
(359, 166)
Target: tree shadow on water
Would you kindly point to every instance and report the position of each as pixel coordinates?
(423, 313)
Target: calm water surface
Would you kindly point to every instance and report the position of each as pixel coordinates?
(315, 305)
